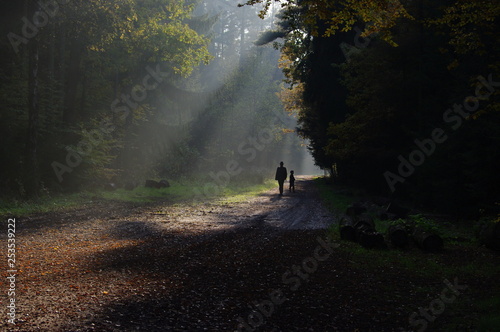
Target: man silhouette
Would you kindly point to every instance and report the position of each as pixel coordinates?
(281, 175)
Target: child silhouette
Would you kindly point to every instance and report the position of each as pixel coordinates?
(292, 182)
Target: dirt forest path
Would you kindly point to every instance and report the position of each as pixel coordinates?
(265, 264)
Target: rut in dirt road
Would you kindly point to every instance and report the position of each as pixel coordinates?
(301, 209)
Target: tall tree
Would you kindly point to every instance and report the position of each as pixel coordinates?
(32, 182)
(396, 95)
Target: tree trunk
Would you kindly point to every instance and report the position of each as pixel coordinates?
(242, 35)
(427, 241)
(371, 239)
(366, 234)
(361, 229)
(489, 235)
(398, 236)
(347, 230)
(83, 99)
(355, 210)
(62, 71)
(32, 181)
(73, 78)
(364, 220)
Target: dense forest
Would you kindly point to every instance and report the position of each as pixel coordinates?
(140, 187)
(98, 92)
(399, 98)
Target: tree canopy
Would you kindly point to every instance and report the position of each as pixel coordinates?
(119, 91)
(101, 90)
(369, 79)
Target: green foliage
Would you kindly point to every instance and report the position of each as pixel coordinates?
(470, 25)
(454, 234)
(391, 96)
(490, 321)
(178, 192)
(241, 191)
(179, 160)
(405, 223)
(45, 203)
(91, 52)
(335, 16)
(420, 222)
(333, 197)
(358, 113)
(97, 151)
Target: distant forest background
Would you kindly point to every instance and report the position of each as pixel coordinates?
(99, 90)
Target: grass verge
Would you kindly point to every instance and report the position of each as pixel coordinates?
(178, 192)
(490, 322)
(336, 199)
(462, 257)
